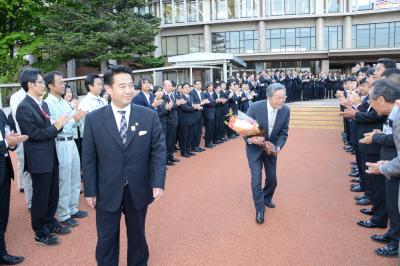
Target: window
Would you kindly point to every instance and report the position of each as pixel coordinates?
(333, 38)
(183, 44)
(359, 5)
(167, 13)
(232, 9)
(179, 11)
(376, 35)
(332, 6)
(248, 8)
(289, 7)
(290, 40)
(235, 42)
(194, 9)
(220, 10)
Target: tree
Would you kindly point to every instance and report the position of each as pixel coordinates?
(97, 30)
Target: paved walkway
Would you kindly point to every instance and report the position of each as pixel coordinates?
(207, 216)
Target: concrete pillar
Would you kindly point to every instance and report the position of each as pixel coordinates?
(207, 39)
(319, 7)
(347, 32)
(71, 72)
(261, 36)
(325, 66)
(230, 70)
(317, 66)
(319, 34)
(158, 44)
(206, 10)
(225, 72)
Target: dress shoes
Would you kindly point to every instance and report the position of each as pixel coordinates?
(79, 214)
(260, 217)
(8, 259)
(356, 180)
(170, 163)
(357, 189)
(191, 153)
(210, 146)
(49, 240)
(388, 251)
(269, 204)
(354, 173)
(200, 149)
(175, 160)
(353, 163)
(380, 238)
(361, 197)
(185, 155)
(363, 202)
(176, 148)
(369, 224)
(367, 211)
(218, 142)
(195, 149)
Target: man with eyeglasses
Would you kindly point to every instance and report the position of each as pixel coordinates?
(67, 152)
(274, 117)
(33, 117)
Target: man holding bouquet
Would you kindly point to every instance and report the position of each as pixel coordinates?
(273, 118)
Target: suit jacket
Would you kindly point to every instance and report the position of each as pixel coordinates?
(393, 168)
(186, 112)
(41, 143)
(209, 108)
(6, 169)
(141, 99)
(279, 134)
(106, 161)
(172, 116)
(197, 100)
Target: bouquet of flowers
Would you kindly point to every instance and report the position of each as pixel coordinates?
(244, 125)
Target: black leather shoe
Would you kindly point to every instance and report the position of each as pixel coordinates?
(260, 217)
(361, 197)
(185, 155)
(380, 238)
(200, 149)
(353, 163)
(210, 146)
(269, 204)
(388, 251)
(363, 202)
(356, 180)
(191, 153)
(176, 148)
(170, 163)
(369, 224)
(79, 214)
(357, 189)
(49, 240)
(354, 173)
(195, 149)
(367, 211)
(10, 260)
(175, 160)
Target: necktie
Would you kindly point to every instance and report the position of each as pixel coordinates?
(46, 115)
(123, 128)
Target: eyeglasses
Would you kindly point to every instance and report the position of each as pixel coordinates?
(283, 98)
(40, 82)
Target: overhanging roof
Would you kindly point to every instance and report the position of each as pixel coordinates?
(204, 58)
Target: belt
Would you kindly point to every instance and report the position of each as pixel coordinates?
(64, 139)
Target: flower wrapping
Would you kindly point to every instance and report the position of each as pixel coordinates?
(245, 125)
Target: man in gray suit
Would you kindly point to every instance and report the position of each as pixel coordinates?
(273, 116)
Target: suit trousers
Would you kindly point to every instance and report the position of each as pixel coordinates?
(44, 202)
(261, 194)
(377, 190)
(24, 177)
(5, 188)
(69, 179)
(197, 130)
(108, 231)
(185, 138)
(392, 195)
(209, 124)
(171, 141)
(219, 126)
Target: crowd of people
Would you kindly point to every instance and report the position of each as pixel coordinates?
(370, 110)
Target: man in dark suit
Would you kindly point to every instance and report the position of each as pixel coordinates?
(145, 97)
(41, 157)
(220, 99)
(124, 158)
(209, 115)
(196, 93)
(274, 117)
(8, 141)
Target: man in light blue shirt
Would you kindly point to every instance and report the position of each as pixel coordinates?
(67, 152)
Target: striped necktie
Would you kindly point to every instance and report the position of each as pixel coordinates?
(123, 128)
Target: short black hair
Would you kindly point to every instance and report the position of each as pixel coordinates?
(28, 75)
(208, 84)
(386, 88)
(156, 88)
(387, 62)
(89, 80)
(230, 83)
(117, 69)
(143, 80)
(173, 83)
(388, 72)
(186, 83)
(196, 81)
(49, 77)
(363, 70)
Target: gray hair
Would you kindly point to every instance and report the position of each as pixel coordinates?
(274, 87)
(386, 88)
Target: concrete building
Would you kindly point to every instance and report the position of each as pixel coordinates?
(313, 35)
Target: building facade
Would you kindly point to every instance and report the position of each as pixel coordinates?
(313, 35)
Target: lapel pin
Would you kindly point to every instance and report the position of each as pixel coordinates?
(136, 124)
(133, 128)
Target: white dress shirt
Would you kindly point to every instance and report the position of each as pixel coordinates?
(118, 116)
(15, 100)
(91, 102)
(271, 118)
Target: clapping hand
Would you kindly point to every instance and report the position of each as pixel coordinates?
(13, 139)
(367, 138)
(349, 113)
(79, 115)
(61, 121)
(169, 105)
(375, 168)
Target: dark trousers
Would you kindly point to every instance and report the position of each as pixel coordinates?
(209, 124)
(185, 138)
(219, 125)
(376, 186)
(44, 202)
(108, 231)
(392, 195)
(171, 141)
(197, 130)
(261, 194)
(5, 188)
